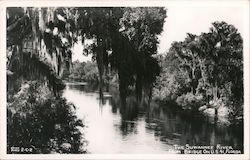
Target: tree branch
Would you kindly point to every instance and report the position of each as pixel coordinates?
(17, 23)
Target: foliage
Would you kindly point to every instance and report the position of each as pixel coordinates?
(84, 71)
(44, 32)
(38, 43)
(189, 101)
(142, 26)
(77, 71)
(37, 119)
(33, 68)
(125, 39)
(91, 72)
(209, 65)
(166, 87)
(47, 35)
(173, 81)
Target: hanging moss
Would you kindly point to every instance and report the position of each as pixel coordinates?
(48, 41)
(34, 69)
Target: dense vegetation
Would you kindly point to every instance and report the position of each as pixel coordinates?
(38, 117)
(125, 39)
(83, 71)
(47, 124)
(201, 73)
(39, 43)
(205, 72)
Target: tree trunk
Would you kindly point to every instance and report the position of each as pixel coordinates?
(99, 60)
(122, 89)
(138, 88)
(202, 71)
(215, 91)
(215, 98)
(150, 94)
(193, 81)
(108, 78)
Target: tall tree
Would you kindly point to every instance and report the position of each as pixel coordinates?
(98, 24)
(222, 49)
(142, 26)
(126, 38)
(128, 48)
(214, 63)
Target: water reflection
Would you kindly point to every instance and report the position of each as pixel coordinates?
(113, 128)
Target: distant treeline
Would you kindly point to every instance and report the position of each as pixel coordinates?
(82, 71)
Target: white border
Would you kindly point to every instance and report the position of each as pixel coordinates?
(116, 3)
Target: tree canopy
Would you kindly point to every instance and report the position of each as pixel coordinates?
(207, 68)
(124, 38)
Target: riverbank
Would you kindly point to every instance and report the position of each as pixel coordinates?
(75, 83)
(190, 105)
(138, 128)
(207, 112)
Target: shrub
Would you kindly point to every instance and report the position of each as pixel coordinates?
(46, 123)
(189, 101)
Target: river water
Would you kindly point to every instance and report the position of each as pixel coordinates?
(112, 129)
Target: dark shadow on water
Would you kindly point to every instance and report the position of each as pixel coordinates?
(173, 127)
(169, 125)
(129, 116)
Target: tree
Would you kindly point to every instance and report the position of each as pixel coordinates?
(142, 26)
(188, 59)
(42, 36)
(38, 45)
(224, 45)
(211, 63)
(227, 56)
(114, 44)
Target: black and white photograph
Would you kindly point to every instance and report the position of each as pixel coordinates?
(167, 79)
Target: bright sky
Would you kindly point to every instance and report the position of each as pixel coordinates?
(187, 19)
(78, 53)
(182, 20)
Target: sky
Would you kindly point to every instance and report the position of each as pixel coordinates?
(187, 19)
(195, 20)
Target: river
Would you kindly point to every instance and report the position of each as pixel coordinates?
(110, 128)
